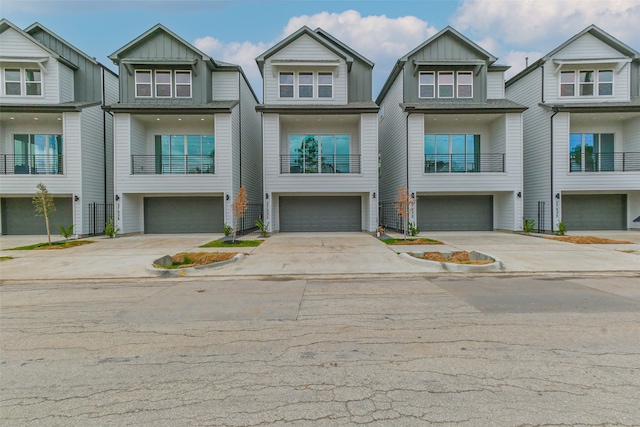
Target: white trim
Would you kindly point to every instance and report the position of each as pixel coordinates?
(453, 84)
(433, 73)
(577, 84)
(155, 83)
(315, 85)
(135, 83)
(458, 84)
(190, 84)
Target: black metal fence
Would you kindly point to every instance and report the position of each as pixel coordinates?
(251, 215)
(172, 164)
(541, 216)
(328, 164)
(99, 214)
(31, 164)
(604, 162)
(464, 163)
(389, 217)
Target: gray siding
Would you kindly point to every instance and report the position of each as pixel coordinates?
(360, 81)
(393, 139)
(93, 167)
(87, 79)
(251, 134)
(536, 146)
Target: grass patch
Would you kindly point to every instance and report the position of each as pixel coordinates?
(589, 240)
(194, 259)
(419, 241)
(460, 257)
(54, 245)
(230, 244)
(5, 258)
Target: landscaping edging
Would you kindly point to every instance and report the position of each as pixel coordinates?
(184, 271)
(462, 268)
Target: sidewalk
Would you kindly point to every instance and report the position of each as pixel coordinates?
(337, 254)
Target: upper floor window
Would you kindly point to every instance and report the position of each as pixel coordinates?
(163, 84)
(22, 81)
(183, 84)
(586, 83)
(449, 84)
(305, 85)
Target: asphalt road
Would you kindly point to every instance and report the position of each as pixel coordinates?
(501, 350)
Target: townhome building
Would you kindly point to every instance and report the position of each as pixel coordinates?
(449, 135)
(187, 138)
(320, 135)
(53, 131)
(582, 134)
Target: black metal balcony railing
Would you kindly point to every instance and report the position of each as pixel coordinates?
(330, 164)
(172, 164)
(604, 162)
(31, 164)
(464, 163)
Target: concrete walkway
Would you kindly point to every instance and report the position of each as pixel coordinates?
(338, 254)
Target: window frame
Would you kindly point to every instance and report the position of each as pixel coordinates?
(189, 84)
(433, 85)
(458, 84)
(577, 84)
(325, 73)
(292, 84)
(573, 84)
(300, 85)
(320, 157)
(150, 83)
(450, 163)
(156, 84)
(598, 82)
(582, 84)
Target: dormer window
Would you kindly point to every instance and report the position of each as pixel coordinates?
(21, 81)
(589, 83)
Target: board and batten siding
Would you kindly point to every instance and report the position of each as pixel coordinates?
(251, 134)
(392, 142)
(305, 49)
(495, 85)
(536, 145)
(14, 44)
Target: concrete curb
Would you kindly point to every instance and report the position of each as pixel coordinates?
(496, 266)
(163, 272)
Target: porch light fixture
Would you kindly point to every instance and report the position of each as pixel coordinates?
(76, 198)
(413, 195)
(519, 194)
(266, 196)
(374, 194)
(226, 197)
(558, 196)
(117, 197)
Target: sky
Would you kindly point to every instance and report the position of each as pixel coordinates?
(237, 31)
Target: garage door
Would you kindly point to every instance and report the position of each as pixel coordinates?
(19, 217)
(455, 213)
(320, 213)
(168, 215)
(595, 212)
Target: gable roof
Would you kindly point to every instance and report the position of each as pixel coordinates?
(321, 37)
(5, 24)
(592, 29)
(37, 26)
(448, 30)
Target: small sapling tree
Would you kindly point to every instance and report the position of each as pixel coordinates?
(404, 206)
(44, 206)
(239, 207)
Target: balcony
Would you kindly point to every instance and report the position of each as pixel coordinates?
(31, 164)
(331, 164)
(172, 164)
(464, 163)
(604, 162)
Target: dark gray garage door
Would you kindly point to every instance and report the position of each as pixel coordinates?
(595, 212)
(320, 213)
(455, 213)
(18, 216)
(168, 215)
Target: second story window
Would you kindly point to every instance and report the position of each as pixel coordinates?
(163, 84)
(286, 85)
(586, 83)
(465, 84)
(449, 84)
(143, 83)
(20, 81)
(305, 85)
(445, 84)
(325, 85)
(427, 85)
(183, 84)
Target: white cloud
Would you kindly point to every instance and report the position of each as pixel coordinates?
(518, 61)
(378, 38)
(545, 24)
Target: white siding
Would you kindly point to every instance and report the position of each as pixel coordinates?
(251, 134)
(270, 160)
(587, 46)
(536, 151)
(495, 85)
(14, 44)
(631, 131)
(225, 85)
(305, 49)
(66, 84)
(393, 139)
(235, 156)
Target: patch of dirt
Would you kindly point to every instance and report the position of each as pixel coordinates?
(461, 257)
(64, 245)
(194, 259)
(589, 240)
(420, 241)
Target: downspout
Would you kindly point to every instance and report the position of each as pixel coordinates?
(555, 111)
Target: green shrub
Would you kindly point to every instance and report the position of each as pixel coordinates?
(264, 228)
(528, 225)
(110, 229)
(562, 229)
(66, 232)
(227, 230)
(413, 229)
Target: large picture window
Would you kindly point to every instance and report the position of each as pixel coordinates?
(451, 153)
(319, 154)
(591, 152)
(37, 154)
(180, 154)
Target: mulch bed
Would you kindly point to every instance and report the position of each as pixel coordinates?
(589, 240)
(460, 257)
